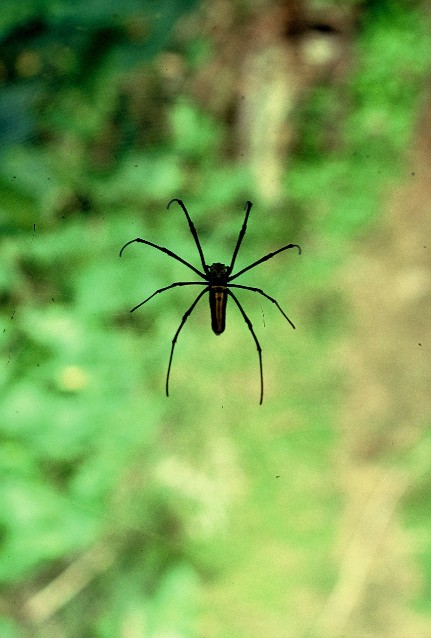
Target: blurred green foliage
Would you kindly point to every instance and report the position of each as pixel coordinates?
(94, 145)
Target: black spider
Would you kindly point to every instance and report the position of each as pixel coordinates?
(217, 281)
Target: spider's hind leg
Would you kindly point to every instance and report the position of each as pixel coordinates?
(259, 349)
(174, 340)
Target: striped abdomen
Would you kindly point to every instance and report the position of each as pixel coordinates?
(218, 301)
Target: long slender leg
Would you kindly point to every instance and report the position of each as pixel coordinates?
(163, 250)
(259, 261)
(179, 283)
(174, 340)
(259, 349)
(265, 295)
(247, 209)
(193, 231)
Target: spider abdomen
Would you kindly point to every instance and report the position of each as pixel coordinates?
(218, 301)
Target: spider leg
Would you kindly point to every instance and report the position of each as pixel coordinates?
(259, 261)
(174, 340)
(192, 229)
(178, 283)
(259, 349)
(265, 295)
(163, 250)
(247, 209)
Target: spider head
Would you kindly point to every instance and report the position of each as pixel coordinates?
(218, 272)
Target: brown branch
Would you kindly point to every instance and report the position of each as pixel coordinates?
(46, 602)
(357, 562)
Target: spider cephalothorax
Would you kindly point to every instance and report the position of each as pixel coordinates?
(217, 281)
(218, 272)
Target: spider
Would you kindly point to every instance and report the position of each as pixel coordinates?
(217, 280)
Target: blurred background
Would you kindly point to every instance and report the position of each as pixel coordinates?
(127, 514)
